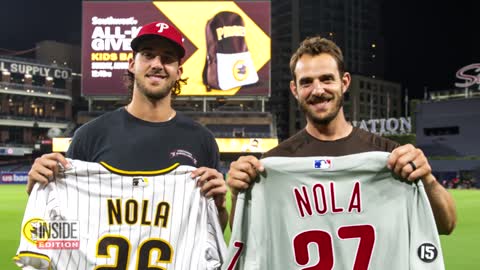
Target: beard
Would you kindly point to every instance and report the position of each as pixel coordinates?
(326, 119)
(154, 94)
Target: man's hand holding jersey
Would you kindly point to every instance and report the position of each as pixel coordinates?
(242, 172)
(405, 161)
(44, 168)
(212, 184)
(411, 163)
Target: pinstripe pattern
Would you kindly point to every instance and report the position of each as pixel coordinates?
(192, 230)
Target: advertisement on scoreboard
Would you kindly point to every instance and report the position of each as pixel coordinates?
(227, 45)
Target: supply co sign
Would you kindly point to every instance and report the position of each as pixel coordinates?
(14, 66)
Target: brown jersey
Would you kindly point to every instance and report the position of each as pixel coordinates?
(303, 144)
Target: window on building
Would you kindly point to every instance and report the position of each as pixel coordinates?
(441, 131)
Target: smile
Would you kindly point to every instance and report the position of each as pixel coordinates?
(157, 76)
(320, 104)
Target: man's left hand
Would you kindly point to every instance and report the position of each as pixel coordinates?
(410, 163)
(211, 184)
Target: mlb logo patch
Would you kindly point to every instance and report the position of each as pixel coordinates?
(139, 181)
(322, 164)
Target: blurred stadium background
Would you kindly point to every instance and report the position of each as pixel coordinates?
(48, 92)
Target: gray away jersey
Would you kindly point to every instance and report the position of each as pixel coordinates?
(91, 218)
(339, 213)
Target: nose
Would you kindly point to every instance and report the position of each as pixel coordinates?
(318, 87)
(157, 61)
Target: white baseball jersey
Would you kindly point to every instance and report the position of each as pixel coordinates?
(91, 218)
(340, 213)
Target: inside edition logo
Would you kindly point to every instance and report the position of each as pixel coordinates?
(52, 234)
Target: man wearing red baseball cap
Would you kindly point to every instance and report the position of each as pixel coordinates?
(166, 41)
(162, 30)
(148, 134)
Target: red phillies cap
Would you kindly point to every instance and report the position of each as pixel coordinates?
(159, 29)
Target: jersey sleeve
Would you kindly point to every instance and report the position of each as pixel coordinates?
(215, 250)
(42, 204)
(235, 253)
(242, 249)
(425, 249)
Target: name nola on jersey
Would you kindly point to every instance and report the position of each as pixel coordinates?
(132, 212)
(320, 198)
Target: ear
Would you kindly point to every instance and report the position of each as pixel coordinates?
(293, 89)
(131, 64)
(179, 72)
(346, 80)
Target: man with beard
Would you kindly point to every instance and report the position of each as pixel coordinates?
(319, 83)
(147, 134)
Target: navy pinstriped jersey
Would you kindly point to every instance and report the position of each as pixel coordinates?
(92, 218)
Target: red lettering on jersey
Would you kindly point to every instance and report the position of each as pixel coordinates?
(303, 202)
(332, 194)
(355, 199)
(317, 201)
(321, 203)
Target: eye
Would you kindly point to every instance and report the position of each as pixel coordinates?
(328, 79)
(147, 54)
(305, 83)
(168, 58)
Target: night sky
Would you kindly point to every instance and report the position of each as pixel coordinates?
(426, 41)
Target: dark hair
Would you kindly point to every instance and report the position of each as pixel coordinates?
(129, 80)
(315, 46)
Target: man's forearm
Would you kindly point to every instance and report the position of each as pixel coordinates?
(443, 205)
